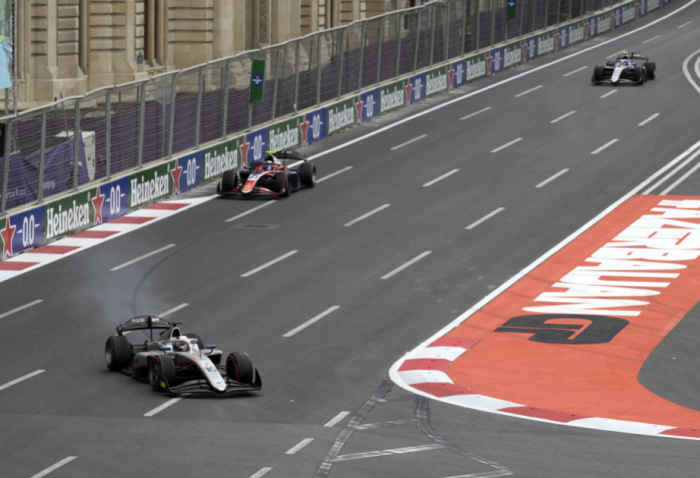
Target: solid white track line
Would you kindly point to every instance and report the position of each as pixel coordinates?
(25, 306)
(486, 474)
(365, 216)
(680, 180)
(173, 310)
(409, 142)
(54, 467)
(552, 178)
(606, 145)
(312, 321)
(162, 407)
(475, 113)
(485, 218)
(395, 451)
(251, 210)
(333, 174)
(272, 262)
(145, 256)
(609, 93)
(430, 183)
(506, 145)
(21, 379)
(687, 74)
(672, 173)
(649, 119)
(406, 265)
(576, 71)
(652, 39)
(563, 116)
(528, 91)
(336, 419)
(299, 446)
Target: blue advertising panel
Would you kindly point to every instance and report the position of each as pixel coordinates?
(563, 37)
(368, 105)
(531, 45)
(188, 173)
(457, 73)
(416, 88)
(592, 26)
(496, 60)
(617, 17)
(112, 200)
(22, 231)
(314, 126)
(255, 146)
(642, 8)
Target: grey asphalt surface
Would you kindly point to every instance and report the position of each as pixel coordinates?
(77, 408)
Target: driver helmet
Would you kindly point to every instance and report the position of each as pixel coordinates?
(625, 54)
(181, 346)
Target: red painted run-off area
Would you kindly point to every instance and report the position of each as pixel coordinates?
(565, 382)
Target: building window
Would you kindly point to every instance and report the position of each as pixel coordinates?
(152, 32)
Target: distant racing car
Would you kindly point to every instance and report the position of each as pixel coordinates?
(178, 363)
(625, 69)
(270, 177)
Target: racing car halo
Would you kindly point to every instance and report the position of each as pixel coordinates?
(625, 69)
(178, 363)
(270, 177)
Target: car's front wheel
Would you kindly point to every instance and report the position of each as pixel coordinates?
(240, 368)
(598, 74)
(161, 372)
(307, 175)
(639, 75)
(117, 353)
(651, 69)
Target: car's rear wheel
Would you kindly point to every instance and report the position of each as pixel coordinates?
(307, 175)
(117, 353)
(598, 74)
(639, 75)
(651, 69)
(161, 372)
(240, 368)
(229, 181)
(282, 184)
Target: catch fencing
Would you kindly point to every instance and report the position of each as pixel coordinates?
(124, 127)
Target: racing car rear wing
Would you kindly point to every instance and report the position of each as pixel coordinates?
(145, 322)
(633, 56)
(288, 155)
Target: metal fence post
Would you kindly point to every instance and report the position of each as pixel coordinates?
(558, 12)
(464, 25)
(42, 154)
(296, 77)
(398, 51)
(534, 14)
(571, 2)
(342, 57)
(142, 120)
(505, 18)
(318, 73)
(446, 33)
(379, 50)
(546, 13)
(200, 93)
(76, 145)
(108, 138)
(433, 8)
(227, 79)
(6, 171)
(274, 94)
(415, 55)
(520, 28)
(173, 98)
(493, 21)
(363, 32)
(478, 24)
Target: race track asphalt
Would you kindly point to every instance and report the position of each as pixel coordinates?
(341, 362)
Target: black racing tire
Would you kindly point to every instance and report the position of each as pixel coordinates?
(240, 368)
(117, 353)
(598, 74)
(200, 341)
(307, 175)
(639, 75)
(229, 181)
(161, 372)
(282, 184)
(651, 69)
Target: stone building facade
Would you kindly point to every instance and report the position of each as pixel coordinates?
(69, 47)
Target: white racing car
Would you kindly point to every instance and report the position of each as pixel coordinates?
(625, 69)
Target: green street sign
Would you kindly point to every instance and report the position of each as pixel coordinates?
(257, 80)
(510, 11)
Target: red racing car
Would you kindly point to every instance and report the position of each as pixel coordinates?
(270, 177)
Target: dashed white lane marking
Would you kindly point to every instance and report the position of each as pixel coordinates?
(272, 262)
(261, 472)
(365, 216)
(649, 119)
(334, 421)
(311, 321)
(528, 91)
(606, 145)
(652, 39)
(576, 71)
(475, 113)
(173, 310)
(395, 451)
(409, 142)
(614, 54)
(54, 467)
(299, 446)
(25, 306)
(486, 474)
(485, 218)
(609, 93)
(675, 170)
(162, 407)
(685, 24)
(333, 174)
(21, 379)
(552, 178)
(251, 210)
(681, 179)
(430, 183)
(145, 256)
(563, 116)
(406, 265)
(506, 145)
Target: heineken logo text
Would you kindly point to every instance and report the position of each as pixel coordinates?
(144, 191)
(62, 221)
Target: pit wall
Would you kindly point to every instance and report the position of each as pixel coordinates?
(67, 215)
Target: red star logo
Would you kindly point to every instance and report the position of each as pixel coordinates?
(304, 127)
(97, 202)
(244, 150)
(451, 74)
(525, 52)
(489, 61)
(556, 41)
(7, 235)
(358, 107)
(176, 173)
(409, 87)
